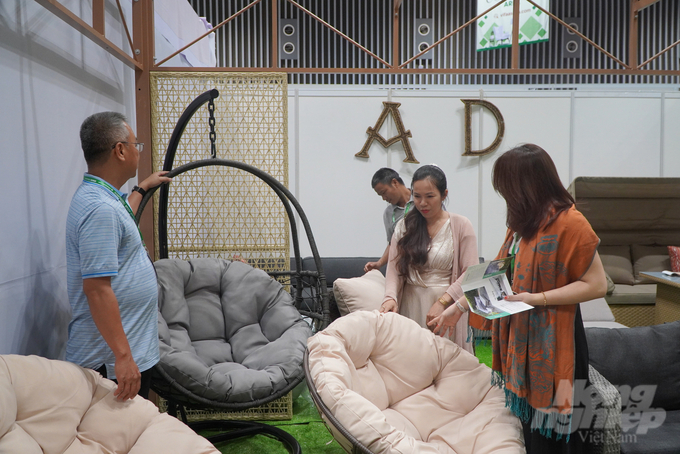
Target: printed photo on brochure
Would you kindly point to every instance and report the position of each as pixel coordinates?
(486, 286)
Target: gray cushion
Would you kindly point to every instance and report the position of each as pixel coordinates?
(643, 355)
(649, 258)
(617, 263)
(664, 439)
(228, 332)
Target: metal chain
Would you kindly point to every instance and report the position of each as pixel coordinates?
(211, 122)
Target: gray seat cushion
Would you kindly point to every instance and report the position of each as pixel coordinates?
(664, 439)
(228, 332)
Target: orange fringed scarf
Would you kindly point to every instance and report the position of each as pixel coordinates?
(533, 351)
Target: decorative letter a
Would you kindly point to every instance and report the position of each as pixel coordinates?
(373, 134)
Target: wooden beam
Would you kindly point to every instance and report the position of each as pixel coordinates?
(483, 71)
(220, 25)
(338, 32)
(74, 21)
(98, 21)
(143, 34)
(444, 38)
(633, 30)
(275, 34)
(642, 4)
(395, 33)
(515, 35)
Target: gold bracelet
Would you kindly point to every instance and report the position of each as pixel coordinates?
(443, 301)
(545, 300)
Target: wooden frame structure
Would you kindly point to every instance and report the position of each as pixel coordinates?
(142, 61)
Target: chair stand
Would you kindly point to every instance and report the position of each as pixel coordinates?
(231, 430)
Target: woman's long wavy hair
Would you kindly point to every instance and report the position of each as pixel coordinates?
(412, 247)
(527, 179)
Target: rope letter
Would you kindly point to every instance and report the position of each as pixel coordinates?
(373, 134)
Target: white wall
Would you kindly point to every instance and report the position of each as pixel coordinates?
(592, 131)
(51, 78)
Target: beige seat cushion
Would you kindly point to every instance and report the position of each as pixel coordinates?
(363, 293)
(398, 388)
(55, 407)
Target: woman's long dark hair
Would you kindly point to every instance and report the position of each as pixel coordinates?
(527, 179)
(412, 247)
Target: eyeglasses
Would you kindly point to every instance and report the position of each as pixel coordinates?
(139, 145)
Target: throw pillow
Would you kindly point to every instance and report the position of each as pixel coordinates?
(610, 284)
(674, 254)
(649, 258)
(363, 293)
(617, 263)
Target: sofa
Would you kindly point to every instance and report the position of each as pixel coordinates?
(351, 289)
(56, 407)
(636, 220)
(644, 364)
(338, 267)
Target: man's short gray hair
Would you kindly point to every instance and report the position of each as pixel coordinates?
(99, 133)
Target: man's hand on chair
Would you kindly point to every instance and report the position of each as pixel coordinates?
(129, 378)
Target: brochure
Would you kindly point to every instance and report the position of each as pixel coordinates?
(486, 286)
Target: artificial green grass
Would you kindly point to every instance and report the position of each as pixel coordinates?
(483, 351)
(306, 425)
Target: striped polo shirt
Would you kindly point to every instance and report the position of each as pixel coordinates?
(102, 240)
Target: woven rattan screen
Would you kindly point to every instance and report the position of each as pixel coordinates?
(219, 211)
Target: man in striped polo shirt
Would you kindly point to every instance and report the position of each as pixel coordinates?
(112, 284)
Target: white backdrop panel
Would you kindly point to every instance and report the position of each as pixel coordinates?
(335, 187)
(671, 137)
(437, 123)
(541, 120)
(47, 90)
(617, 136)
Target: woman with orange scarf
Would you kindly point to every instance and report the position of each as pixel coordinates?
(539, 354)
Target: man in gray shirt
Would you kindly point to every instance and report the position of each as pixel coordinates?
(388, 184)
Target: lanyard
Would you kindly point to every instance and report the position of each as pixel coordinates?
(406, 208)
(113, 191)
(514, 247)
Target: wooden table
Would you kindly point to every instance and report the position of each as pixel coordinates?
(667, 296)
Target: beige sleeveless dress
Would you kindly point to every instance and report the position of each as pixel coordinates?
(422, 289)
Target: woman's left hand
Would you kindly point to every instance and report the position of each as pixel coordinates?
(446, 322)
(434, 312)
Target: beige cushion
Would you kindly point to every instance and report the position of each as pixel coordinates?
(398, 388)
(61, 408)
(617, 263)
(363, 293)
(649, 258)
(18, 441)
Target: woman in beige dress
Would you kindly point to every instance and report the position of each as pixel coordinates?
(429, 252)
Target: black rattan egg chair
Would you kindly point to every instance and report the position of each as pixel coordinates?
(304, 292)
